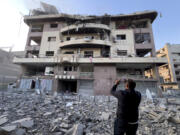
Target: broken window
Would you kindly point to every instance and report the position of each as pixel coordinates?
(122, 24)
(175, 65)
(177, 73)
(37, 28)
(49, 53)
(121, 37)
(122, 52)
(140, 24)
(142, 38)
(69, 52)
(70, 68)
(54, 25)
(51, 39)
(88, 54)
(87, 68)
(32, 54)
(35, 41)
(68, 38)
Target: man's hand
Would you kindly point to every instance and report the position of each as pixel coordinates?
(117, 82)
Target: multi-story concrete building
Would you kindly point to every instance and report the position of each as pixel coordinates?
(170, 72)
(86, 54)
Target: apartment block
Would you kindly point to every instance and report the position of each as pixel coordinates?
(170, 72)
(86, 54)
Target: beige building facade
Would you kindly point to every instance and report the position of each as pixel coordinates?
(86, 54)
(170, 72)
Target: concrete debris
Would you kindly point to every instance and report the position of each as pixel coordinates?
(9, 128)
(76, 130)
(20, 131)
(26, 113)
(105, 116)
(69, 104)
(25, 122)
(3, 120)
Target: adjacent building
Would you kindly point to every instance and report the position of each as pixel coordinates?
(9, 72)
(170, 72)
(86, 54)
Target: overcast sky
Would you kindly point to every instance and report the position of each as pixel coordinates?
(13, 32)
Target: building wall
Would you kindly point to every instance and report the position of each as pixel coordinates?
(9, 72)
(104, 77)
(127, 44)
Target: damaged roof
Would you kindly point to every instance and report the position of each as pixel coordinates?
(64, 17)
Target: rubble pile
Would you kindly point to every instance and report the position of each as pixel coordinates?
(26, 113)
(160, 117)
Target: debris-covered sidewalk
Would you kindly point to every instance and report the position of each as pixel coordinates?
(26, 113)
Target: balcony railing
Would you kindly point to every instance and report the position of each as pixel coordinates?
(33, 48)
(86, 41)
(74, 75)
(137, 77)
(85, 25)
(87, 75)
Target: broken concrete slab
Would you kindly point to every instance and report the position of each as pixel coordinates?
(105, 116)
(174, 120)
(25, 122)
(77, 129)
(3, 120)
(9, 128)
(20, 131)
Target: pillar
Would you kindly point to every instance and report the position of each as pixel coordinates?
(155, 74)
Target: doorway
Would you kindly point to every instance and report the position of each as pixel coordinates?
(68, 86)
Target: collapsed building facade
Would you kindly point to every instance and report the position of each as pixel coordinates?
(86, 54)
(170, 72)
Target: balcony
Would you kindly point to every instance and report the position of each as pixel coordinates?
(33, 48)
(84, 26)
(35, 34)
(86, 75)
(34, 60)
(121, 60)
(85, 42)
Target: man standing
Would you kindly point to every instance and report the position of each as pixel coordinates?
(127, 110)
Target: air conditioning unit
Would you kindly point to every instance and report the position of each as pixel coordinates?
(49, 71)
(87, 39)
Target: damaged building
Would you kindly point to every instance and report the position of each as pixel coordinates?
(86, 54)
(170, 72)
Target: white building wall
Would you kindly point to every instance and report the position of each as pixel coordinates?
(127, 44)
(49, 45)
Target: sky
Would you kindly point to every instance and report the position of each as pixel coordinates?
(166, 29)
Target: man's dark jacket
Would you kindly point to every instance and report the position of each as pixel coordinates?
(128, 102)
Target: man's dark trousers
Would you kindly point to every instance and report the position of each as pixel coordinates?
(121, 127)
